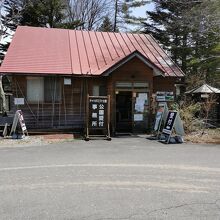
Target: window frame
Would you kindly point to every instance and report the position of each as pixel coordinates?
(59, 80)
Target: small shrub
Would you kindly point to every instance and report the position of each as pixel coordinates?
(188, 114)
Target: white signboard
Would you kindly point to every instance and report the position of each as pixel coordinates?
(141, 100)
(138, 117)
(67, 81)
(163, 96)
(19, 101)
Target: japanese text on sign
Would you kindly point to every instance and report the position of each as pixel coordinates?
(97, 112)
(169, 122)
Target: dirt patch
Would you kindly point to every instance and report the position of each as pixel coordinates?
(210, 136)
(57, 137)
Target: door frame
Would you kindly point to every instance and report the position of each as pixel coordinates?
(115, 117)
(134, 91)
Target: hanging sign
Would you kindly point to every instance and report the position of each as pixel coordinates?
(164, 96)
(19, 101)
(67, 81)
(160, 96)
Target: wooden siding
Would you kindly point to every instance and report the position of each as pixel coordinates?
(164, 84)
(133, 71)
(70, 112)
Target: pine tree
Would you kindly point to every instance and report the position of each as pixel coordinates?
(38, 13)
(168, 26)
(122, 10)
(106, 26)
(10, 19)
(205, 35)
(189, 30)
(43, 13)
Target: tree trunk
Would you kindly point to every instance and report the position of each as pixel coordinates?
(115, 18)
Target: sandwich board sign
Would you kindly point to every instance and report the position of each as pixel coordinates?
(178, 126)
(98, 112)
(18, 118)
(161, 116)
(173, 121)
(168, 127)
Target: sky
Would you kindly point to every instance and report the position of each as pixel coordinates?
(141, 11)
(138, 12)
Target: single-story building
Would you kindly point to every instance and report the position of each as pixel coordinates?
(205, 94)
(53, 70)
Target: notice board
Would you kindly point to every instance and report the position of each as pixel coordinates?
(98, 114)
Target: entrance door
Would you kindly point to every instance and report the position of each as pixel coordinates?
(124, 111)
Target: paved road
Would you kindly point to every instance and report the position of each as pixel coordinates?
(125, 179)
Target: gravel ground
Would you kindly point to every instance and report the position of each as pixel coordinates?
(210, 136)
(36, 140)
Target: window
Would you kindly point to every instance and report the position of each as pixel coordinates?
(95, 90)
(52, 89)
(99, 90)
(35, 89)
(43, 89)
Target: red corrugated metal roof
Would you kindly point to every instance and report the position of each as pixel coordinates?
(60, 51)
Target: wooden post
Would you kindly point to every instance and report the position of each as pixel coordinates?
(87, 118)
(108, 120)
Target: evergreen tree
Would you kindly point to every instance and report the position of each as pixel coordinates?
(168, 26)
(10, 19)
(38, 13)
(43, 13)
(122, 10)
(189, 30)
(205, 41)
(106, 26)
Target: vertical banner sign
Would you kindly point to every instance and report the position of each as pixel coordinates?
(21, 120)
(98, 112)
(168, 127)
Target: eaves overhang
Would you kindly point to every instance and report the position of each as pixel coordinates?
(156, 70)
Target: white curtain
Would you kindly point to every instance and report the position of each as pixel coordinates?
(35, 89)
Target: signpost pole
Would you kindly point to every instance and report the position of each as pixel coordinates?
(87, 118)
(108, 120)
